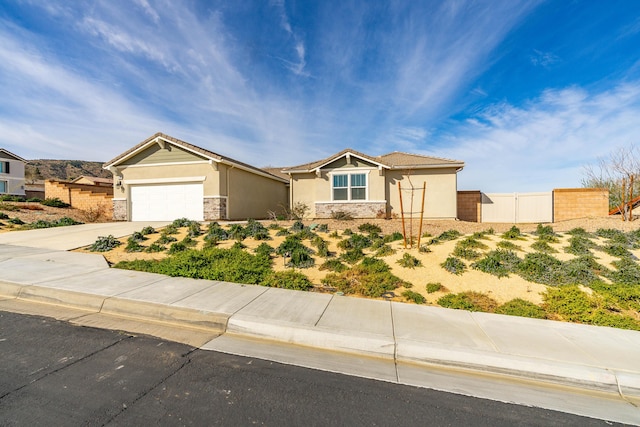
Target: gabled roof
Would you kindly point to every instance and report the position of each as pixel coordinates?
(210, 155)
(394, 160)
(10, 154)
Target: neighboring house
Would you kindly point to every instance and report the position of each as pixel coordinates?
(11, 173)
(164, 178)
(367, 187)
(92, 180)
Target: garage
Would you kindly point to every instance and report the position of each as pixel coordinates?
(166, 202)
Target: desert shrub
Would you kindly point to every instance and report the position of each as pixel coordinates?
(579, 245)
(62, 222)
(194, 229)
(133, 246)
(347, 232)
(510, 246)
(334, 234)
(543, 246)
(155, 247)
(434, 287)
(333, 265)
(321, 245)
(237, 232)
(579, 231)
(298, 254)
(237, 245)
(582, 270)
(409, 261)
(522, 308)
(138, 236)
(189, 241)
(341, 216)
(170, 229)
(322, 228)
(627, 272)
(177, 247)
(181, 222)
(470, 301)
(498, 262)
(216, 232)
(297, 226)
(165, 239)
(229, 265)
(424, 249)
(614, 235)
(396, 235)
(16, 221)
(617, 250)
(355, 241)
(256, 230)
(624, 295)
(540, 268)
(274, 226)
(33, 200)
(4, 215)
(352, 255)
(369, 228)
(104, 244)
(148, 230)
(546, 234)
(11, 198)
(385, 250)
(471, 243)
(288, 279)
(445, 236)
(55, 202)
(370, 278)
(414, 297)
(466, 253)
(513, 233)
(264, 249)
(305, 234)
(283, 232)
(454, 265)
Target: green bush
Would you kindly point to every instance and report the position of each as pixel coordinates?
(229, 265)
(414, 297)
(4, 215)
(264, 249)
(11, 198)
(165, 239)
(470, 301)
(287, 279)
(62, 222)
(216, 232)
(256, 230)
(170, 229)
(498, 262)
(395, 236)
(105, 244)
(155, 247)
(189, 242)
(322, 228)
(579, 245)
(445, 236)
(16, 221)
(454, 265)
(385, 250)
(297, 227)
(237, 232)
(237, 245)
(627, 272)
(543, 246)
(409, 261)
(352, 255)
(181, 222)
(138, 236)
(148, 230)
(512, 234)
(540, 268)
(510, 246)
(194, 229)
(424, 249)
(133, 246)
(177, 247)
(617, 250)
(369, 228)
(522, 308)
(471, 243)
(370, 278)
(546, 234)
(55, 202)
(333, 265)
(355, 241)
(466, 253)
(434, 287)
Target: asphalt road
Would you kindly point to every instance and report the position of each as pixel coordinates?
(56, 374)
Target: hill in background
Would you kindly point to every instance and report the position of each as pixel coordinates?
(65, 170)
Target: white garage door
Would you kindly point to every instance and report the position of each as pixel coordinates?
(166, 202)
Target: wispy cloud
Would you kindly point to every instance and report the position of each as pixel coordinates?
(543, 59)
(544, 144)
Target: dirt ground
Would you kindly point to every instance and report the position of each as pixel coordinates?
(500, 289)
(30, 212)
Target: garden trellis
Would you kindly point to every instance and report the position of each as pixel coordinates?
(411, 212)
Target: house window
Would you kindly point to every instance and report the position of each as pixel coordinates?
(351, 186)
(4, 167)
(3, 186)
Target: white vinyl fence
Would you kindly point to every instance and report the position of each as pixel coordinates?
(517, 207)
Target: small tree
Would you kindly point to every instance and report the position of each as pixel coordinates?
(619, 174)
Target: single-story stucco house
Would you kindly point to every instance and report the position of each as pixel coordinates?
(11, 173)
(164, 178)
(367, 187)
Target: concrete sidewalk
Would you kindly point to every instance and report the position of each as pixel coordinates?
(404, 335)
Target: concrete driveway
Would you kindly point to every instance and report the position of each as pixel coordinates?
(74, 236)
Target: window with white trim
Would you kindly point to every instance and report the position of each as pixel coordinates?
(349, 186)
(4, 167)
(3, 186)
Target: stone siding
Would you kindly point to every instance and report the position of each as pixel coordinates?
(573, 203)
(215, 208)
(120, 210)
(357, 210)
(470, 206)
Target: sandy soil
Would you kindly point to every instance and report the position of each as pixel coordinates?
(500, 289)
(31, 212)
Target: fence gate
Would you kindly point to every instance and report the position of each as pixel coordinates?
(517, 207)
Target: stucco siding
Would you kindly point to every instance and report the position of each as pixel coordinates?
(304, 187)
(15, 177)
(253, 196)
(440, 196)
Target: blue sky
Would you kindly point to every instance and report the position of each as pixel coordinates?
(524, 92)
